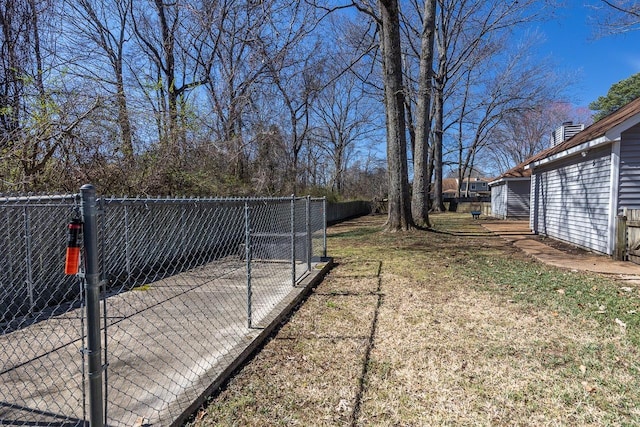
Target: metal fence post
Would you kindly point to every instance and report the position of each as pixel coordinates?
(10, 260)
(324, 227)
(101, 210)
(309, 240)
(247, 254)
(127, 244)
(92, 293)
(28, 260)
(293, 240)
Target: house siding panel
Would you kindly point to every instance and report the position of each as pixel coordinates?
(629, 184)
(498, 199)
(518, 195)
(573, 200)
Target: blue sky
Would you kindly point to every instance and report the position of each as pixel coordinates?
(599, 62)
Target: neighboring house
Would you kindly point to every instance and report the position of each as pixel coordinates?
(579, 186)
(510, 194)
(477, 187)
(449, 187)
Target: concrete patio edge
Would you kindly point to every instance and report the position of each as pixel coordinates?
(519, 234)
(246, 348)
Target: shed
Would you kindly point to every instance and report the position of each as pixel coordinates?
(579, 186)
(510, 194)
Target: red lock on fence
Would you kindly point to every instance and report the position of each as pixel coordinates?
(72, 261)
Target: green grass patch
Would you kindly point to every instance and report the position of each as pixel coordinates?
(468, 331)
(577, 294)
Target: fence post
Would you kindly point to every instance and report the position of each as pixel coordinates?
(127, 246)
(247, 254)
(324, 227)
(293, 240)
(309, 240)
(620, 250)
(92, 294)
(29, 259)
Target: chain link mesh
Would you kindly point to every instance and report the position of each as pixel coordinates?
(41, 327)
(187, 283)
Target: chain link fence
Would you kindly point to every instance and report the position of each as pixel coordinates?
(184, 284)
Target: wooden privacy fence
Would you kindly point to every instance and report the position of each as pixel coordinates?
(628, 240)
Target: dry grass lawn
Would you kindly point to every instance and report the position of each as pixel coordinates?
(454, 327)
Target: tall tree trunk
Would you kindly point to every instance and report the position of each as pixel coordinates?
(438, 203)
(430, 167)
(126, 143)
(104, 23)
(37, 150)
(399, 199)
(36, 50)
(168, 67)
(421, 179)
(339, 175)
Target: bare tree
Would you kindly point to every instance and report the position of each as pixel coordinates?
(269, 172)
(39, 110)
(171, 37)
(235, 28)
(345, 119)
(421, 178)
(617, 16)
(523, 133)
(15, 60)
(499, 83)
(399, 200)
(104, 25)
(296, 69)
(367, 177)
(386, 16)
(463, 27)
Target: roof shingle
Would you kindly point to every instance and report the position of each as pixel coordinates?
(596, 130)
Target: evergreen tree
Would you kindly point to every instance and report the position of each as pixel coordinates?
(619, 95)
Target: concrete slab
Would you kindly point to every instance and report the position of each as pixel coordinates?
(520, 235)
(169, 345)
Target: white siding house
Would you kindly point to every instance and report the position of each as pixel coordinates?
(580, 186)
(571, 200)
(513, 188)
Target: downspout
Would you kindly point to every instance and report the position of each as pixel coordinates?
(614, 187)
(534, 200)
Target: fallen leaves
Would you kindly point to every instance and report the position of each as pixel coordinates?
(343, 406)
(622, 325)
(589, 388)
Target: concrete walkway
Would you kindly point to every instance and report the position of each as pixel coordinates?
(519, 234)
(169, 344)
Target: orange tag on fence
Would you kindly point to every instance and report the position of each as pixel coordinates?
(72, 261)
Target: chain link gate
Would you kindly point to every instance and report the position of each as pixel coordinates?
(184, 284)
(41, 317)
